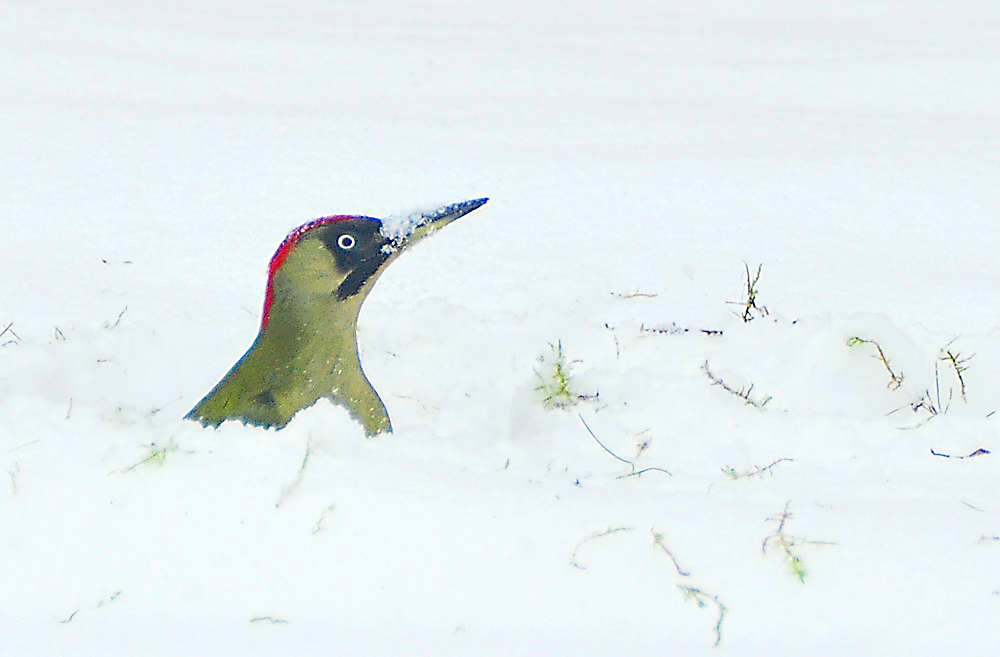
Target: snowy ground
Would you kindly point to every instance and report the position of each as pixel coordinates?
(636, 155)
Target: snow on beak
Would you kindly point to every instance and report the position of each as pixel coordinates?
(401, 232)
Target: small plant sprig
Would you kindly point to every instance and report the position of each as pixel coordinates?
(749, 303)
(786, 542)
(702, 598)
(959, 364)
(555, 382)
(658, 541)
(895, 379)
(932, 405)
(757, 471)
(743, 393)
(156, 455)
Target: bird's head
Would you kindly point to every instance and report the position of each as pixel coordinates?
(307, 345)
(339, 258)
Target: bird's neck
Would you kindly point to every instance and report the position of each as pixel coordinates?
(312, 340)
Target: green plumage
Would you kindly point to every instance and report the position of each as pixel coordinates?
(307, 350)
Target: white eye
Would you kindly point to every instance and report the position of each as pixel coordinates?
(346, 242)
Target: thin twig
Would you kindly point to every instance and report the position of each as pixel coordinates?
(608, 532)
(635, 295)
(750, 303)
(117, 321)
(287, 490)
(111, 599)
(14, 449)
(786, 542)
(895, 380)
(702, 598)
(959, 365)
(634, 473)
(639, 473)
(318, 527)
(8, 329)
(658, 541)
(674, 329)
(603, 446)
(742, 393)
(757, 471)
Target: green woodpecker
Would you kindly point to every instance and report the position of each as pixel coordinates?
(307, 346)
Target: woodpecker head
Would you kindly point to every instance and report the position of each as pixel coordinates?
(307, 346)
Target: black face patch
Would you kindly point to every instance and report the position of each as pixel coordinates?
(356, 247)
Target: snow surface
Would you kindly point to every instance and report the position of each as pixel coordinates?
(636, 155)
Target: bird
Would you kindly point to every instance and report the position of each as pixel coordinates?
(306, 348)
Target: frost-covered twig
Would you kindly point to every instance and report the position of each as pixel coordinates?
(658, 542)
(273, 621)
(786, 542)
(702, 598)
(895, 380)
(691, 592)
(674, 329)
(635, 295)
(750, 302)
(742, 393)
(958, 364)
(611, 530)
(756, 472)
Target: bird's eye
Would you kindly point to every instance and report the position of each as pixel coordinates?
(346, 242)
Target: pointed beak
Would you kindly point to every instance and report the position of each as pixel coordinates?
(402, 232)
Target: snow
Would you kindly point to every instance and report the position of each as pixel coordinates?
(400, 228)
(636, 156)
